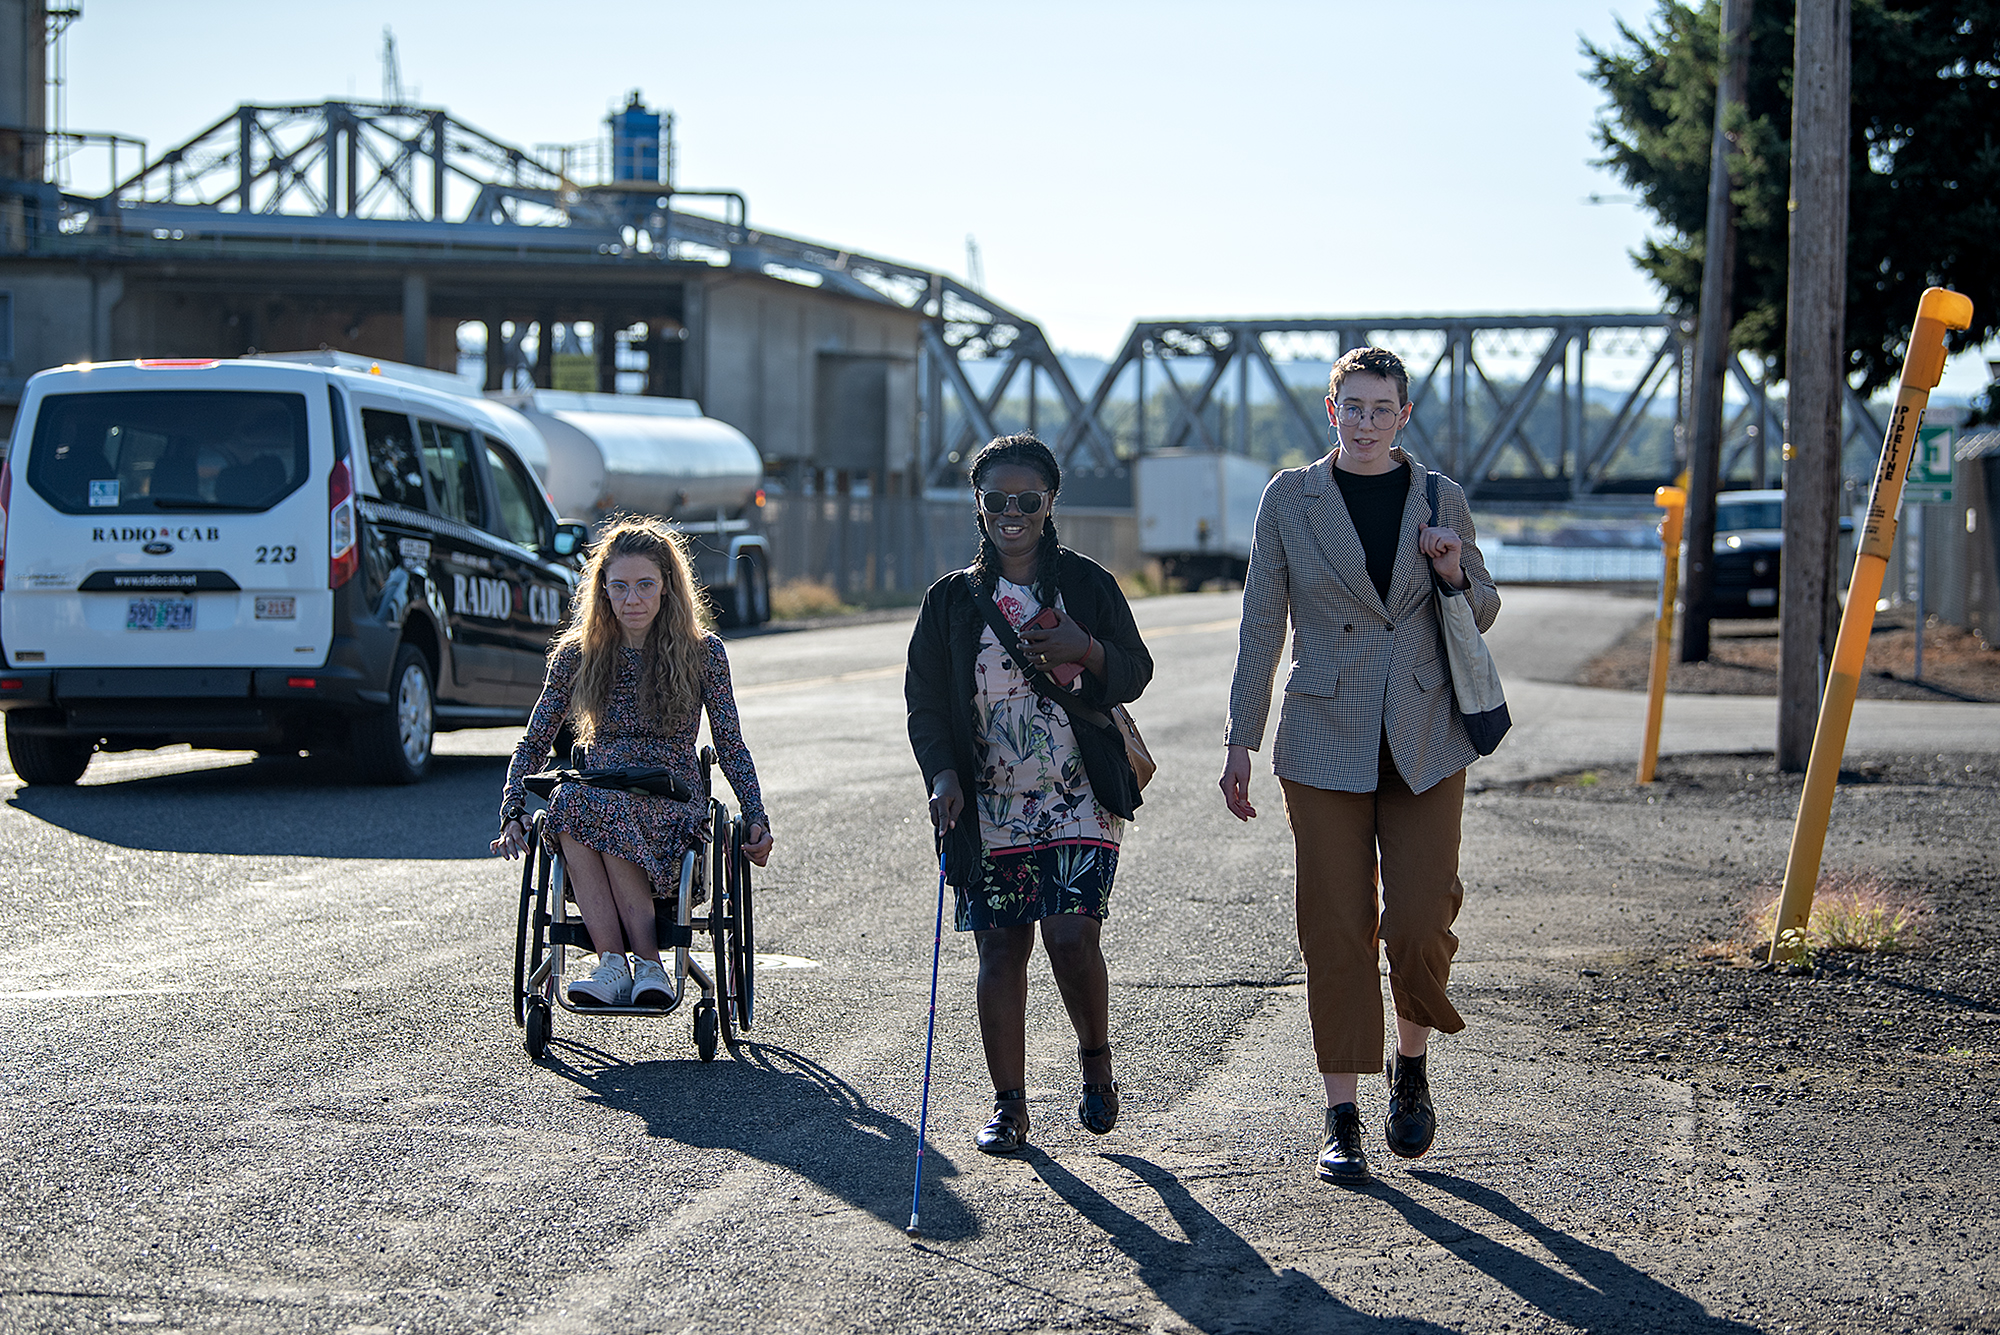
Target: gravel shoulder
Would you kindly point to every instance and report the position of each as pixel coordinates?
(1743, 660)
(1846, 1105)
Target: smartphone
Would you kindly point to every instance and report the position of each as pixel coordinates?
(1064, 673)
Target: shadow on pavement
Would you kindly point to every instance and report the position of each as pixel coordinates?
(1606, 1292)
(1214, 1280)
(786, 1110)
(286, 807)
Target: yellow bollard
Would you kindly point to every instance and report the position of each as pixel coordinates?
(1674, 501)
(1939, 310)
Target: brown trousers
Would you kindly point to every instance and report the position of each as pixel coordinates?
(1337, 836)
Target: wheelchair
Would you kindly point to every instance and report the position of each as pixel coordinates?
(548, 926)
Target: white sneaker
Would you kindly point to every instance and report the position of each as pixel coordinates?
(650, 985)
(610, 984)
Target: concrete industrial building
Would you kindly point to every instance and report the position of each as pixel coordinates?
(382, 228)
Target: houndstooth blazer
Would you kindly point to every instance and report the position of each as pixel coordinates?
(1360, 667)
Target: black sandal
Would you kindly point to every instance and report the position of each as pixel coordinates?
(1097, 1112)
(1008, 1131)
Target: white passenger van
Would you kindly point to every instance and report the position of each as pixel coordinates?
(268, 555)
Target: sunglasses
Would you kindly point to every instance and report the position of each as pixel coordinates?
(1026, 502)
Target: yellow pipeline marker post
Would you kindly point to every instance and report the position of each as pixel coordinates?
(1939, 310)
(1674, 501)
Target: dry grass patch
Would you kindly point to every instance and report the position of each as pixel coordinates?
(1851, 910)
(798, 599)
(1856, 911)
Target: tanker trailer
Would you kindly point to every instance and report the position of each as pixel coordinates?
(626, 454)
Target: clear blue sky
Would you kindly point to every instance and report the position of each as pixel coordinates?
(1115, 160)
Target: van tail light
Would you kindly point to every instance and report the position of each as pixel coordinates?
(346, 556)
(6, 499)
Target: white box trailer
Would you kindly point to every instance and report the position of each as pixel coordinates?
(1197, 512)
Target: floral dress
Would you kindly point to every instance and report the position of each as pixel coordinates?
(1049, 847)
(649, 831)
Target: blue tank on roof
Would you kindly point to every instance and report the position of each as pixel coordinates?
(635, 142)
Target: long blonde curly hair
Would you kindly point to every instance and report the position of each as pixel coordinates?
(675, 652)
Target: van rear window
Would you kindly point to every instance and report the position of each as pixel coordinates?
(168, 451)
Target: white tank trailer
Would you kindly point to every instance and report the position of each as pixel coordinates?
(605, 454)
(611, 454)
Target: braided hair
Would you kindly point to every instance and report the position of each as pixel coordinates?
(1029, 452)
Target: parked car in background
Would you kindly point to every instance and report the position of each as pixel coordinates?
(1749, 545)
(268, 555)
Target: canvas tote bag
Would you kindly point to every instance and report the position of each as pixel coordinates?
(1475, 682)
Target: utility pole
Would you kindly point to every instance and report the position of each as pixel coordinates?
(1718, 285)
(1815, 369)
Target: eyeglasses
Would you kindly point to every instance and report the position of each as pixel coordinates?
(1027, 502)
(618, 591)
(1381, 419)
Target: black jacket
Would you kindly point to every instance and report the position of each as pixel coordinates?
(938, 687)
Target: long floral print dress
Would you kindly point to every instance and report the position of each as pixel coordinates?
(648, 831)
(1049, 847)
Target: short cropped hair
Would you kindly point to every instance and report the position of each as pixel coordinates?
(1374, 361)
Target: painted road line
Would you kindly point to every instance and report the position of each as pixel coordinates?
(1198, 627)
(891, 669)
(809, 683)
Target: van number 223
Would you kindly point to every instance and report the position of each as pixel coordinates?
(277, 555)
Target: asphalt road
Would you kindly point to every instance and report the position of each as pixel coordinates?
(261, 1071)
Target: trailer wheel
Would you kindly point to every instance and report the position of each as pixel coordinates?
(760, 588)
(749, 593)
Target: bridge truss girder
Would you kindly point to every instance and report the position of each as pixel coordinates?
(333, 159)
(1551, 434)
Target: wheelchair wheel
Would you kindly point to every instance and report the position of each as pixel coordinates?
(538, 1026)
(707, 1029)
(719, 889)
(742, 936)
(529, 942)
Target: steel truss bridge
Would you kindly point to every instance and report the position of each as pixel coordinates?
(1507, 404)
(1518, 407)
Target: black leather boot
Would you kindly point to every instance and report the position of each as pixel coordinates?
(1412, 1122)
(1341, 1160)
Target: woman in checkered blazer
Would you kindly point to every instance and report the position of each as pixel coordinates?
(1370, 751)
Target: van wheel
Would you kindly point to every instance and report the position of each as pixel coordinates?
(48, 760)
(394, 744)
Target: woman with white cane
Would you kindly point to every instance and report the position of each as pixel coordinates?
(1028, 802)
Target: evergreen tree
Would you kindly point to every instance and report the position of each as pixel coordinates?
(1924, 177)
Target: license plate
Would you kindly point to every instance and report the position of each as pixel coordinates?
(1763, 597)
(277, 609)
(159, 614)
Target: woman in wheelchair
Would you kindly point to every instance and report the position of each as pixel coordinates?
(632, 672)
